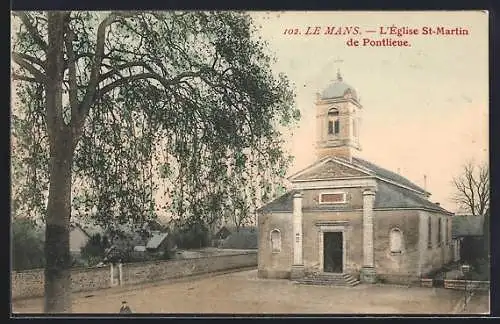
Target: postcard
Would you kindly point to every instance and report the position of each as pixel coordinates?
(250, 163)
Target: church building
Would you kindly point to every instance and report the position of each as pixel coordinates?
(345, 215)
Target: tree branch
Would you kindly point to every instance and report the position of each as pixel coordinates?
(473, 189)
(31, 59)
(20, 77)
(116, 69)
(18, 59)
(98, 57)
(143, 76)
(73, 87)
(77, 57)
(32, 30)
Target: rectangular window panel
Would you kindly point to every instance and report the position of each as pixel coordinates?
(429, 233)
(330, 127)
(332, 198)
(439, 233)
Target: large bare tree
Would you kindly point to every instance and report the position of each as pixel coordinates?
(100, 92)
(472, 188)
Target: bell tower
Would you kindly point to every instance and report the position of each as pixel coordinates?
(338, 117)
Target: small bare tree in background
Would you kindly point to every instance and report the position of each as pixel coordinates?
(473, 188)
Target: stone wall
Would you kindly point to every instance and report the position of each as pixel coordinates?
(434, 257)
(27, 284)
(458, 284)
(471, 285)
(396, 267)
(275, 264)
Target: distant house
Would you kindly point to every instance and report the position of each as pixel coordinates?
(137, 244)
(78, 238)
(468, 237)
(223, 233)
(157, 242)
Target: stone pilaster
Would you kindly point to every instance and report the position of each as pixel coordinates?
(368, 273)
(297, 270)
(120, 274)
(112, 274)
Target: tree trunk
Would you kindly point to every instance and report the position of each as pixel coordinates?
(57, 257)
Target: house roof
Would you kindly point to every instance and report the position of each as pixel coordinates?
(386, 174)
(388, 196)
(155, 241)
(335, 167)
(88, 229)
(284, 203)
(467, 225)
(392, 196)
(223, 232)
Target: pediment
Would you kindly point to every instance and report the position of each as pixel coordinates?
(329, 169)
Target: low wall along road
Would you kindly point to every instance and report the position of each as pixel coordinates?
(28, 284)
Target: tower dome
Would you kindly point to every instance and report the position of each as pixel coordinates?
(338, 89)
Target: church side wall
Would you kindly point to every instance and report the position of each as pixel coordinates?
(396, 267)
(275, 264)
(438, 254)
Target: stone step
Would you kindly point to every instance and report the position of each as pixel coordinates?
(329, 283)
(329, 280)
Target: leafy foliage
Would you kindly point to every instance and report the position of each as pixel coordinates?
(29, 154)
(186, 107)
(27, 245)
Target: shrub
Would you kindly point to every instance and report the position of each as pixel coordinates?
(481, 270)
(93, 251)
(192, 237)
(27, 245)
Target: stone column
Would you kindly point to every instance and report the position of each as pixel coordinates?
(298, 264)
(368, 273)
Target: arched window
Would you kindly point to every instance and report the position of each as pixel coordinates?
(333, 112)
(396, 241)
(275, 241)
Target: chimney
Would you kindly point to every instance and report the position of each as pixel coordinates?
(425, 182)
(399, 171)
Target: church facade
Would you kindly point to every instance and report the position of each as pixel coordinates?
(347, 215)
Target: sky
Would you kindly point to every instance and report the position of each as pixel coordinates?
(425, 106)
